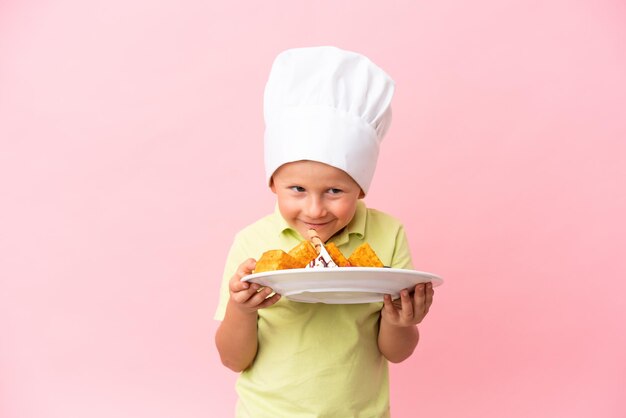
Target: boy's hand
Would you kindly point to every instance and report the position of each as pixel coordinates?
(408, 310)
(249, 297)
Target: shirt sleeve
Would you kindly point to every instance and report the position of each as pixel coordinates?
(402, 253)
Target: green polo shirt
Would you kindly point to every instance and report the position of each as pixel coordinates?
(317, 360)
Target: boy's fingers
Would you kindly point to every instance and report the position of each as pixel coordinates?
(428, 297)
(269, 301)
(244, 269)
(390, 310)
(260, 296)
(237, 285)
(244, 295)
(407, 306)
(430, 294)
(419, 297)
(247, 267)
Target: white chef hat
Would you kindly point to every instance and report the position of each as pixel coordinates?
(328, 105)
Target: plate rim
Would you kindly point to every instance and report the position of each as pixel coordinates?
(342, 270)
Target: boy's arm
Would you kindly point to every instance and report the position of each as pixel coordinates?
(398, 334)
(236, 337)
(397, 343)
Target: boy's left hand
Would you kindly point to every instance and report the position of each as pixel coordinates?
(409, 309)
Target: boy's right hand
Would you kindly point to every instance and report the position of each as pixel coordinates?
(249, 297)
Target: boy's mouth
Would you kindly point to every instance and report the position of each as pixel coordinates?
(325, 230)
(315, 225)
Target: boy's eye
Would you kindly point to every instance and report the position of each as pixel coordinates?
(297, 189)
(334, 191)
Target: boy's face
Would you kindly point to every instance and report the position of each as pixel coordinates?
(314, 195)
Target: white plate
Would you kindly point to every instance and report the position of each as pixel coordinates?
(343, 284)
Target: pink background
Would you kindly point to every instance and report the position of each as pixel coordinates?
(131, 152)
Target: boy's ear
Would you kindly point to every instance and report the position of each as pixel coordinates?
(272, 187)
(361, 194)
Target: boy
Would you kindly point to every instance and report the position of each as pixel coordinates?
(326, 111)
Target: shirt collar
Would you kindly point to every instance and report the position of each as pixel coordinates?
(356, 226)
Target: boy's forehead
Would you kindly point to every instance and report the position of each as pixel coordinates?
(313, 171)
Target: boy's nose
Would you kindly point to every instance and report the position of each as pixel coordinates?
(315, 208)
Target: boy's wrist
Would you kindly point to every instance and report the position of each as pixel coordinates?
(241, 311)
(395, 325)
